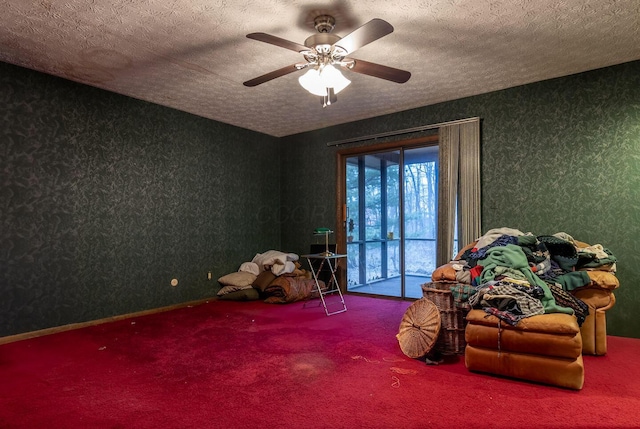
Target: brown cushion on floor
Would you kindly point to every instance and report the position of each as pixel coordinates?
(263, 280)
(546, 348)
(539, 343)
(561, 372)
(557, 323)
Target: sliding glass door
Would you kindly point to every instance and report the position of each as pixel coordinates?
(391, 206)
(420, 217)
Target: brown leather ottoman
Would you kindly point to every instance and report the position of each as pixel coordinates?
(544, 349)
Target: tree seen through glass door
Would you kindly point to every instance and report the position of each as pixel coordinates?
(387, 237)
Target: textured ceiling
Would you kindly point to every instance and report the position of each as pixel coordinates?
(193, 55)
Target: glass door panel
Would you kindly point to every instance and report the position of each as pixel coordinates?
(391, 200)
(373, 217)
(420, 217)
(352, 181)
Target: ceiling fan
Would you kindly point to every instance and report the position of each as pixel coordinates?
(325, 51)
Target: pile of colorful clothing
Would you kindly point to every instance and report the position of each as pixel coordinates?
(513, 275)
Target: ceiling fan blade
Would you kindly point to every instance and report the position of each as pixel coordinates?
(372, 30)
(274, 40)
(272, 75)
(378, 70)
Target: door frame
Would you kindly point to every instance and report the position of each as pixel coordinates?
(341, 189)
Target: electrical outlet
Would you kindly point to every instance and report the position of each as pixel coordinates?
(174, 282)
(209, 275)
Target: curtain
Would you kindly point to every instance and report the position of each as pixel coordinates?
(458, 187)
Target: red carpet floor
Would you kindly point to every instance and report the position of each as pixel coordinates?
(254, 365)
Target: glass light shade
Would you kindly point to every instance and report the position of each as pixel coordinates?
(311, 82)
(332, 78)
(317, 82)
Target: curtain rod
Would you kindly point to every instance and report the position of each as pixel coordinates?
(399, 132)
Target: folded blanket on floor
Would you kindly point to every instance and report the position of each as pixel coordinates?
(278, 262)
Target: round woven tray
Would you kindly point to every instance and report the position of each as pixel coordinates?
(419, 328)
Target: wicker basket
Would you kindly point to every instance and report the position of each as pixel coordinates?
(453, 319)
(419, 328)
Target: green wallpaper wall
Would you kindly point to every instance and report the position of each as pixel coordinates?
(558, 155)
(104, 199)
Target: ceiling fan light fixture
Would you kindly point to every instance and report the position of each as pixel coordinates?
(318, 81)
(324, 51)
